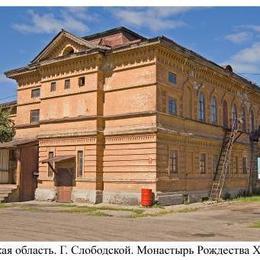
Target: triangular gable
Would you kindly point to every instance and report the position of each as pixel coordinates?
(60, 42)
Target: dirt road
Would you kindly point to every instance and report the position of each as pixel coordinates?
(227, 221)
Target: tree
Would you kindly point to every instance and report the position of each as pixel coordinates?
(7, 130)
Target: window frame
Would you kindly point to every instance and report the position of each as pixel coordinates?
(83, 79)
(53, 86)
(33, 91)
(244, 165)
(201, 107)
(33, 116)
(173, 162)
(67, 86)
(80, 163)
(203, 163)
(213, 110)
(50, 171)
(172, 77)
(172, 104)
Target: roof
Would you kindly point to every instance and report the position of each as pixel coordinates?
(113, 31)
(142, 42)
(16, 142)
(9, 103)
(58, 158)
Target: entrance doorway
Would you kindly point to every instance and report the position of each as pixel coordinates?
(64, 182)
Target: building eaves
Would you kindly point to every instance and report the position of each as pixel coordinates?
(112, 31)
(200, 57)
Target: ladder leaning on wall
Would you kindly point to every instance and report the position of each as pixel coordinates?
(230, 137)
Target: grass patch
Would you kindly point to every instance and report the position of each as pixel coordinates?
(255, 225)
(152, 214)
(248, 199)
(3, 205)
(29, 208)
(186, 210)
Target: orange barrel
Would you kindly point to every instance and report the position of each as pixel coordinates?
(146, 197)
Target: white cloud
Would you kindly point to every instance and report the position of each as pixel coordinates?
(246, 60)
(70, 20)
(4, 79)
(252, 27)
(239, 37)
(153, 18)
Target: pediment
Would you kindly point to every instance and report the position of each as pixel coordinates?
(63, 44)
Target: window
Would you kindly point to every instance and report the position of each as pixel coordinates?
(201, 107)
(35, 93)
(53, 86)
(173, 162)
(215, 163)
(213, 110)
(243, 115)
(34, 116)
(244, 165)
(258, 168)
(81, 81)
(50, 172)
(80, 163)
(234, 116)
(252, 120)
(202, 163)
(235, 165)
(172, 107)
(172, 77)
(225, 114)
(68, 50)
(67, 84)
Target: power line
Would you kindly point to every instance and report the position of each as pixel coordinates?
(7, 97)
(247, 73)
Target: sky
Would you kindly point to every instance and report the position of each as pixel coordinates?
(225, 35)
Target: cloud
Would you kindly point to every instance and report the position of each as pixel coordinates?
(71, 19)
(4, 79)
(246, 60)
(153, 18)
(252, 27)
(239, 37)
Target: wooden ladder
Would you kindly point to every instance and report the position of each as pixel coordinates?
(224, 158)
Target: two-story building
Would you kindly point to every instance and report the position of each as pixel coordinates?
(108, 114)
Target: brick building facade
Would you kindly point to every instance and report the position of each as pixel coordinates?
(115, 112)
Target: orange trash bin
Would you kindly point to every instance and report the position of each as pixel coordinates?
(146, 197)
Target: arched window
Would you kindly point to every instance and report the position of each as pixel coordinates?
(68, 50)
(243, 115)
(213, 110)
(252, 120)
(234, 116)
(225, 114)
(201, 107)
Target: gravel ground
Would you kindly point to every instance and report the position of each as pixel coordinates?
(33, 221)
